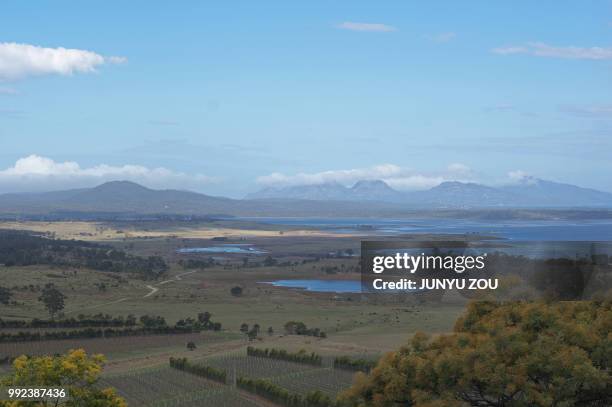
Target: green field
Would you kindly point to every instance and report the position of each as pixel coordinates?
(354, 325)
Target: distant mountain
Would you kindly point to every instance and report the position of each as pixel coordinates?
(115, 196)
(531, 192)
(322, 192)
(366, 190)
(370, 198)
(453, 194)
(124, 198)
(375, 190)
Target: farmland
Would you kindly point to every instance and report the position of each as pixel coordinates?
(138, 365)
(328, 380)
(166, 387)
(254, 367)
(152, 386)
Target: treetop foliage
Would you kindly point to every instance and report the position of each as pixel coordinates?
(514, 354)
(76, 371)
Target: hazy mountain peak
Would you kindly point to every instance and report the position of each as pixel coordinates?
(447, 185)
(528, 192)
(371, 183)
(121, 186)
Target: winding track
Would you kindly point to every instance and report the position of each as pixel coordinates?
(152, 291)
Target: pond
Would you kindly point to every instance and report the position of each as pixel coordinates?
(321, 286)
(224, 248)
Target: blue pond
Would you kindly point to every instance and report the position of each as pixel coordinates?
(321, 286)
(224, 248)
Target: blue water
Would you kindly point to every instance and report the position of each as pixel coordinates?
(322, 286)
(560, 230)
(224, 248)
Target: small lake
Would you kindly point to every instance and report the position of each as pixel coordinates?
(320, 286)
(224, 248)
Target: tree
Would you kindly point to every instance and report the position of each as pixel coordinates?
(513, 354)
(244, 328)
(252, 334)
(76, 372)
(236, 291)
(5, 295)
(295, 328)
(53, 299)
(204, 318)
(191, 346)
(270, 261)
(270, 331)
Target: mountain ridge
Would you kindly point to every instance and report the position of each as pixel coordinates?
(364, 198)
(532, 192)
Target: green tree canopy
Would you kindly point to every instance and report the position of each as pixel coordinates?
(53, 299)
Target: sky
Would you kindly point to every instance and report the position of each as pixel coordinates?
(226, 98)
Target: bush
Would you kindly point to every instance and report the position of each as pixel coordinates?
(279, 395)
(358, 365)
(208, 372)
(281, 354)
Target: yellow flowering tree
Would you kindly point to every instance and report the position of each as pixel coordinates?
(76, 372)
(501, 355)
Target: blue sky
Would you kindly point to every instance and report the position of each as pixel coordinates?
(228, 97)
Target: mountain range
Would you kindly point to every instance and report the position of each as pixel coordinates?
(364, 198)
(530, 192)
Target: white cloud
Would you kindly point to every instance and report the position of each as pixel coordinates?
(36, 173)
(22, 60)
(521, 177)
(370, 27)
(442, 37)
(394, 175)
(540, 49)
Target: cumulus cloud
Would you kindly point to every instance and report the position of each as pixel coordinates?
(36, 173)
(368, 27)
(395, 176)
(18, 61)
(540, 49)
